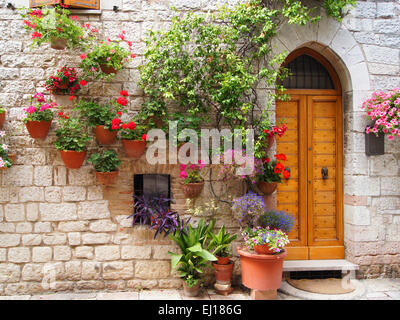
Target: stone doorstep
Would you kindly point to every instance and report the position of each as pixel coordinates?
(319, 265)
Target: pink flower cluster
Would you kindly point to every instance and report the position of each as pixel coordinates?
(187, 170)
(384, 109)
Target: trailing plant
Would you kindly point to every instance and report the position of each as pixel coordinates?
(274, 170)
(54, 23)
(194, 256)
(64, 82)
(5, 161)
(275, 239)
(107, 161)
(39, 109)
(275, 219)
(383, 108)
(334, 8)
(71, 135)
(108, 53)
(191, 173)
(220, 242)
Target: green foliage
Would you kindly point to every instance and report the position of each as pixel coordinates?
(5, 161)
(194, 255)
(97, 115)
(220, 242)
(2, 110)
(334, 8)
(137, 133)
(49, 23)
(71, 135)
(107, 161)
(108, 53)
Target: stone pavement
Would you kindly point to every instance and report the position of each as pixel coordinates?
(375, 289)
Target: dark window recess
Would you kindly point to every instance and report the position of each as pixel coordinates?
(374, 145)
(152, 185)
(307, 73)
(326, 274)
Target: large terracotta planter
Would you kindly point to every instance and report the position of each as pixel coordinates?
(107, 69)
(38, 129)
(192, 190)
(73, 159)
(134, 148)
(104, 136)
(266, 187)
(263, 249)
(58, 43)
(2, 119)
(261, 271)
(106, 178)
(191, 292)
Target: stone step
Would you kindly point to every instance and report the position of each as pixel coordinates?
(319, 265)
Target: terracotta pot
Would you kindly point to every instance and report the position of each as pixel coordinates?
(223, 272)
(63, 85)
(2, 119)
(260, 271)
(223, 260)
(13, 157)
(134, 148)
(104, 136)
(58, 43)
(73, 159)
(266, 187)
(106, 178)
(263, 249)
(107, 69)
(192, 190)
(191, 292)
(38, 129)
(270, 142)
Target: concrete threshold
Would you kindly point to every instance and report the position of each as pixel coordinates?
(319, 265)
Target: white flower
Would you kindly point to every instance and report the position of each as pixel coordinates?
(5, 147)
(2, 133)
(22, 116)
(2, 164)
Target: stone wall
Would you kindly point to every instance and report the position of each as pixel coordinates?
(58, 224)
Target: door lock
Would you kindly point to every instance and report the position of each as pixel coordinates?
(324, 172)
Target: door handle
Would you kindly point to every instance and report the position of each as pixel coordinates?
(324, 172)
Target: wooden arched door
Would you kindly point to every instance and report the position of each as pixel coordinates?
(313, 145)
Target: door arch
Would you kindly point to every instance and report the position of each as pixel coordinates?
(313, 144)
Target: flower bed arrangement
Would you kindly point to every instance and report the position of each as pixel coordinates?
(64, 82)
(54, 25)
(6, 160)
(383, 108)
(106, 58)
(106, 166)
(191, 180)
(71, 141)
(38, 116)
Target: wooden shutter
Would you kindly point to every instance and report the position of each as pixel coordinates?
(89, 4)
(39, 3)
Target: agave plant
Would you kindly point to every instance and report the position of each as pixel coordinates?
(220, 242)
(194, 255)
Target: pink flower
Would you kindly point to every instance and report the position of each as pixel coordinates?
(390, 137)
(183, 167)
(31, 109)
(83, 56)
(193, 166)
(108, 59)
(183, 174)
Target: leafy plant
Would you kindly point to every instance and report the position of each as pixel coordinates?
(191, 173)
(220, 242)
(334, 8)
(273, 170)
(71, 135)
(107, 161)
(5, 161)
(194, 255)
(131, 131)
(275, 219)
(39, 110)
(64, 82)
(2, 110)
(275, 239)
(54, 23)
(106, 53)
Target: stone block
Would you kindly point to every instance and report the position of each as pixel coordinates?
(3, 254)
(95, 193)
(102, 226)
(32, 211)
(142, 284)
(43, 176)
(73, 226)
(161, 252)
(42, 227)
(9, 272)
(390, 186)
(152, 269)
(82, 177)
(32, 272)
(31, 239)
(357, 215)
(41, 254)
(62, 253)
(58, 212)
(107, 253)
(60, 176)
(7, 227)
(54, 239)
(74, 238)
(14, 212)
(136, 252)
(93, 210)
(24, 227)
(9, 240)
(95, 238)
(84, 252)
(19, 255)
(117, 270)
(91, 270)
(18, 176)
(74, 193)
(52, 194)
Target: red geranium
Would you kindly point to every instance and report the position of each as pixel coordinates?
(122, 101)
(115, 124)
(286, 174)
(124, 93)
(279, 167)
(281, 157)
(145, 137)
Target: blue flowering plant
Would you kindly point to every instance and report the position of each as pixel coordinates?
(275, 219)
(248, 208)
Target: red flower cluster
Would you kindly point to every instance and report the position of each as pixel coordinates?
(36, 13)
(63, 115)
(280, 131)
(122, 100)
(66, 81)
(115, 124)
(36, 35)
(130, 125)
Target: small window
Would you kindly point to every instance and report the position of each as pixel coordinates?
(83, 4)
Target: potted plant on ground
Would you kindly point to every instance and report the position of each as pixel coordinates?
(220, 246)
(191, 180)
(194, 256)
(106, 166)
(260, 271)
(272, 172)
(133, 139)
(106, 58)
(54, 25)
(2, 117)
(38, 116)
(71, 141)
(64, 82)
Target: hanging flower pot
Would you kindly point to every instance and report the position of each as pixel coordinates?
(58, 43)
(38, 129)
(270, 142)
(107, 69)
(192, 291)
(261, 271)
(106, 178)
(73, 159)
(2, 118)
(266, 187)
(192, 190)
(134, 148)
(105, 136)
(63, 85)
